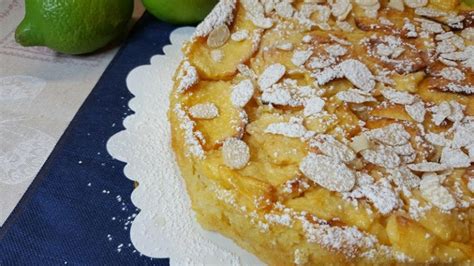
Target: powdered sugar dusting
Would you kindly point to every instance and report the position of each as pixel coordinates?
(223, 13)
(187, 77)
(204, 111)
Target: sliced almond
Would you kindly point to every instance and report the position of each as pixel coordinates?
(397, 5)
(393, 135)
(455, 158)
(218, 36)
(271, 75)
(328, 173)
(355, 96)
(398, 97)
(381, 156)
(435, 193)
(360, 143)
(331, 147)
(427, 167)
(236, 153)
(416, 3)
(416, 111)
(358, 74)
(240, 35)
(242, 93)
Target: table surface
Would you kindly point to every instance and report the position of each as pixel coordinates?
(40, 92)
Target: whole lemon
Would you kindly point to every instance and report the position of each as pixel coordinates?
(73, 26)
(180, 11)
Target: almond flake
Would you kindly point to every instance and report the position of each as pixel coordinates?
(256, 13)
(468, 33)
(416, 3)
(271, 75)
(437, 139)
(242, 93)
(463, 135)
(276, 95)
(240, 35)
(381, 156)
(301, 56)
(246, 71)
(410, 28)
(187, 77)
(460, 88)
(333, 148)
(307, 39)
(335, 50)
(235, 153)
(470, 184)
(355, 96)
(344, 26)
(430, 26)
(328, 74)
(191, 138)
(427, 167)
(416, 111)
(457, 111)
(432, 191)
(452, 73)
(454, 158)
(381, 195)
(398, 97)
(223, 13)
(447, 62)
(292, 129)
(358, 74)
(313, 106)
(285, 46)
(403, 150)
(404, 178)
(341, 8)
(204, 111)
(218, 36)
(360, 143)
(440, 112)
(385, 21)
(393, 135)
(284, 9)
(429, 12)
(397, 5)
(330, 174)
(322, 62)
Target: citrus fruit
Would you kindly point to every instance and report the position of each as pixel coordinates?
(179, 11)
(73, 27)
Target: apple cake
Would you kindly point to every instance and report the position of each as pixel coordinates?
(331, 131)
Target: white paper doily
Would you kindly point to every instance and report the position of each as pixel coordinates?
(165, 226)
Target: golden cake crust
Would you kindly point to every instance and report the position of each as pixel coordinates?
(331, 132)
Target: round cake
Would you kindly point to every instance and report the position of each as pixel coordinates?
(331, 132)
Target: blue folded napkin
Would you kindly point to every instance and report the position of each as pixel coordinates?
(78, 209)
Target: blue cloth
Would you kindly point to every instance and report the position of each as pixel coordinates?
(76, 212)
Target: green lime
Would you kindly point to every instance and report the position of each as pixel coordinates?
(469, 2)
(73, 26)
(180, 11)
